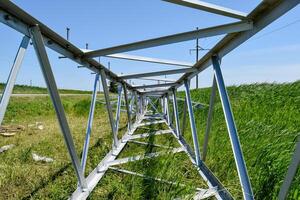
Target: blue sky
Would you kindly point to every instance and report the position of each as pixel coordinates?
(270, 56)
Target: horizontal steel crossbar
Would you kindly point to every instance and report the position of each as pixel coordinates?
(210, 8)
(181, 37)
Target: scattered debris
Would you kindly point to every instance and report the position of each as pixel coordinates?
(11, 130)
(6, 147)
(41, 158)
(37, 125)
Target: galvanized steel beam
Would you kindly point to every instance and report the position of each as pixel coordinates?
(233, 135)
(158, 73)
(292, 170)
(153, 86)
(109, 109)
(170, 39)
(149, 60)
(89, 124)
(13, 76)
(209, 117)
(42, 56)
(192, 122)
(209, 7)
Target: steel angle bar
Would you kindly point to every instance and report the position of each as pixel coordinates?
(167, 100)
(145, 135)
(150, 60)
(292, 170)
(136, 106)
(127, 105)
(118, 108)
(158, 79)
(233, 135)
(204, 193)
(184, 117)
(170, 39)
(165, 105)
(159, 93)
(144, 156)
(97, 174)
(175, 108)
(42, 56)
(212, 8)
(209, 117)
(192, 122)
(153, 86)
(109, 109)
(154, 107)
(203, 170)
(13, 76)
(89, 124)
(158, 73)
(149, 144)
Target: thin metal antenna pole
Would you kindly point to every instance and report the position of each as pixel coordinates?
(108, 107)
(192, 122)
(233, 135)
(13, 76)
(209, 117)
(43, 59)
(89, 124)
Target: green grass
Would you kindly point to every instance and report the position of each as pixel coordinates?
(25, 89)
(267, 117)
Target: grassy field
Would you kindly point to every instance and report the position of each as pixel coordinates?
(267, 117)
(25, 89)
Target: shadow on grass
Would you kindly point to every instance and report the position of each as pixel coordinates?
(54, 176)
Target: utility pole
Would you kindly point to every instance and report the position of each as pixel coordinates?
(197, 49)
(197, 58)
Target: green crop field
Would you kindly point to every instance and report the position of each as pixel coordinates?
(267, 117)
